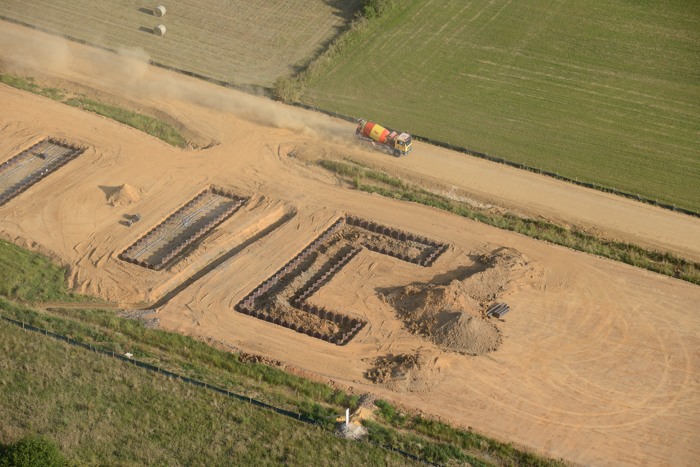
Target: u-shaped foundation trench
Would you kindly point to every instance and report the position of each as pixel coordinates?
(282, 299)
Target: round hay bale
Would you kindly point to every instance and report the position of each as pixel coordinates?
(159, 11)
(159, 30)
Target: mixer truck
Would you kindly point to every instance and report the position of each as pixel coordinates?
(383, 139)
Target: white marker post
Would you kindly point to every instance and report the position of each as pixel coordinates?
(347, 418)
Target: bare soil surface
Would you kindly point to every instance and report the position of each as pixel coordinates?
(598, 362)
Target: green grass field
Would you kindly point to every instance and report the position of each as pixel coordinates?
(103, 412)
(604, 92)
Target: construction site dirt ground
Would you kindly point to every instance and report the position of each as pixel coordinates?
(597, 362)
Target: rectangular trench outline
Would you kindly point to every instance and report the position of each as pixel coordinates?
(196, 236)
(39, 174)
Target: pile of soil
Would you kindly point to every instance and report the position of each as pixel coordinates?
(504, 268)
(123, 195)
(461, 332)
(452, 315)
(405, 372)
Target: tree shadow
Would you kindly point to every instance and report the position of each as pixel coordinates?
(346, 9)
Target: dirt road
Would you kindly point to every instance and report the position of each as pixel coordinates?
(599, 361)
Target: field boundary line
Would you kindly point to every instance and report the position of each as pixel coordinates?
(156, 369)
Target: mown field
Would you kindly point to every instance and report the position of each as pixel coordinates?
(605, 92)
(247, 42)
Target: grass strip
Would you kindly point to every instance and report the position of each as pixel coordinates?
(152, 126)
(28, 84)
(32, 277)
(373, 181)
(187, 356)
(435, 452)
(447, 443)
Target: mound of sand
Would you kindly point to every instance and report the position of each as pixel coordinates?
(406, 372)
(452, 315)
(505, 267)
(467, 334)
(123, 195)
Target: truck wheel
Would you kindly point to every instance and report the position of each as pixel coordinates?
(397, 153)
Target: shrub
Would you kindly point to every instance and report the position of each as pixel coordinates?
(375, 8)
(33, 451)
(287, 89)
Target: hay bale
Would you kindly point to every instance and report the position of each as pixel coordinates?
(159, 11)
(159, 30)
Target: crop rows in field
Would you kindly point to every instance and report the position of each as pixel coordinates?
(602, 93)
(245, 42)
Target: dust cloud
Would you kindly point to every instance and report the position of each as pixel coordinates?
(129, 69)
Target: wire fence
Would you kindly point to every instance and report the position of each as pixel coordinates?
(195, 382)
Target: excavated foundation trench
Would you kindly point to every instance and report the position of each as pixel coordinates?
(283, 298)
(167, 242)
(32, 165)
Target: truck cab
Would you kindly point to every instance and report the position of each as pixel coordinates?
(403, 144)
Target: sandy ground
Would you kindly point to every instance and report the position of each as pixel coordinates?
(599, 362)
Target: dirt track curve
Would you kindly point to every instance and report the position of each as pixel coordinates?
(598, 361)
